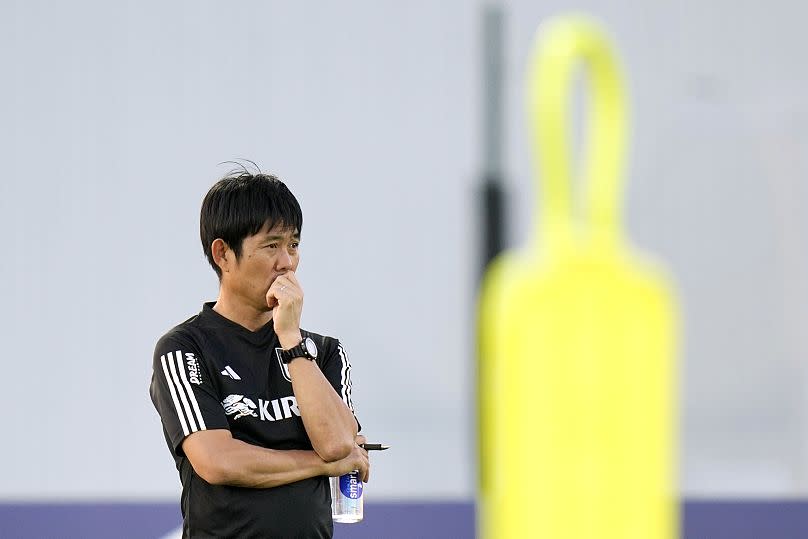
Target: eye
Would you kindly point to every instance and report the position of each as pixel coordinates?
(295, 244)
(273, 245)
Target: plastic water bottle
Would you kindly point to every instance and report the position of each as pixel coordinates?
(346, 498)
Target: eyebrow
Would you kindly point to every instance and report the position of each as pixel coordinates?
(276, 237)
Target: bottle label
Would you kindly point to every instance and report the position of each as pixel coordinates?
(350, 486)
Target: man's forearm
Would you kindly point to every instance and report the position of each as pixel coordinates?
(220, 459)
(329, 423)
(271, 468)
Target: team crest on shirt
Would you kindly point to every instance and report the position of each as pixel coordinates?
(284, 366)
(239, 406)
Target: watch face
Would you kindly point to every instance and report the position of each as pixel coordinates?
(311, 348)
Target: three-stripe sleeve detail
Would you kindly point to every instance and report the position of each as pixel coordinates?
(345, 378)
(182, 395)
(199, 419)
(174, 396)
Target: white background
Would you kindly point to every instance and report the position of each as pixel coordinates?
(113, 117)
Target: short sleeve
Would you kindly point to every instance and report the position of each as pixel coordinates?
(337, 369)
(182, 391)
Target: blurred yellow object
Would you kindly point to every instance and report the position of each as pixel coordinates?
(577, 375)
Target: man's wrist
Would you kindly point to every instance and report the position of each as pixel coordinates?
(327, 467)
(290, 340)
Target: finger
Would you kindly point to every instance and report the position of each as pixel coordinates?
(359, 439)
(280, 283)
(290, 275)
(366, 476)
(290, 279)
(286, 288)
(272, 298)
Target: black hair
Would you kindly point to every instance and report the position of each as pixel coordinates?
(240, 204)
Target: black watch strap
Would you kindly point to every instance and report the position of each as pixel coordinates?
(305, 348)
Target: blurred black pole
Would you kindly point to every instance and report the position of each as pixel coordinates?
(491, 191)
(492, 212)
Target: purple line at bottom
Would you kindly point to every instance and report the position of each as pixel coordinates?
(702, 519)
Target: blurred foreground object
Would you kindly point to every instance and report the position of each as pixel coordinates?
(577, 332)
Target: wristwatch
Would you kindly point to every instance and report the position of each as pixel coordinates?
(306, 348)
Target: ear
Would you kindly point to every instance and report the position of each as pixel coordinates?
(222, 254)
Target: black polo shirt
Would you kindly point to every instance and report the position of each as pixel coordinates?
(211, 373)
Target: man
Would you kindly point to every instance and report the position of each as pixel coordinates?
(256, 411)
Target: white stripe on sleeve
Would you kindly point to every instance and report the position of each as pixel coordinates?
(191, 395)
(181, 391)
(170, 383)
(345, 378)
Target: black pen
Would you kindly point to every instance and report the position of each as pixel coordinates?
(374, 447)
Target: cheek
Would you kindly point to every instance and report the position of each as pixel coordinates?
(255, 267)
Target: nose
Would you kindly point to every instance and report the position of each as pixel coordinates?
(284, 261)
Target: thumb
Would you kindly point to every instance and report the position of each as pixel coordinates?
(272, 299)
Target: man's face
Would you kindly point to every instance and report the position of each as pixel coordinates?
(264, 256)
